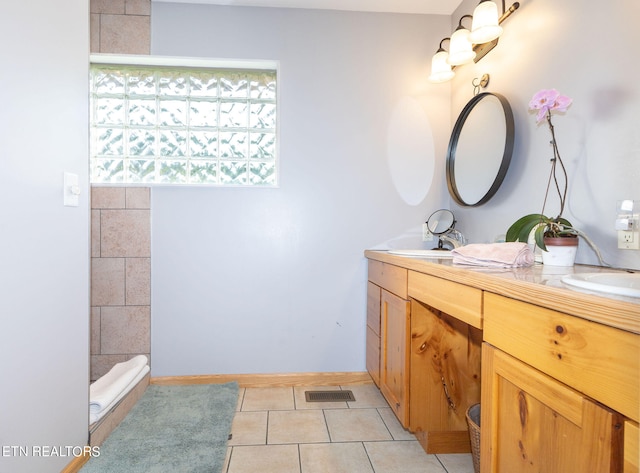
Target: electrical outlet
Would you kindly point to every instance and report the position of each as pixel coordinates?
(426, 234)
(628, 240)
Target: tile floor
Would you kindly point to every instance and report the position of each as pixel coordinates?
(276, 431)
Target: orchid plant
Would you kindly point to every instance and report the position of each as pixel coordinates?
(544, 102)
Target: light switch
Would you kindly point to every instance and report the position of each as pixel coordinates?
(71, 190)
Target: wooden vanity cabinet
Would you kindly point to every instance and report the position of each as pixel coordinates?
(388, 319)
(555, 392)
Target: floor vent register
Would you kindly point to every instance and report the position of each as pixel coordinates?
(328, 396)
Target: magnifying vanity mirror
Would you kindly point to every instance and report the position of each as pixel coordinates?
(441, 223)
(480, 149)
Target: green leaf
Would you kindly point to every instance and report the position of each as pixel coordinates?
(522, 227)
(540, 237)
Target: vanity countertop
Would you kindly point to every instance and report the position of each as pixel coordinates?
(535, 284)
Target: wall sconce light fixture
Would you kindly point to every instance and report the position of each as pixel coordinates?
(466, 46)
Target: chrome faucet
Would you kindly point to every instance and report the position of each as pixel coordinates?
(454, 238)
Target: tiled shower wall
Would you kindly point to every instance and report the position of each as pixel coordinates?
(120, 276)
(120, 218)
(121, 26)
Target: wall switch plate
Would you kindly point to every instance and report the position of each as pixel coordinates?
(628, 240)
(426, 234)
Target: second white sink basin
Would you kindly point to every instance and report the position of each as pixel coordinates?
(622, 284)
(423, 253)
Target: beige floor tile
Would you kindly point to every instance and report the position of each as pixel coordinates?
(457, 462)
(334, 458)
(249, 428)
(367, 395)
(301, 402)
(305, 426)
(226, 459)
(353, 425)
(268, 399)
(401, 457)
(393, 424)
(265, 459)
(240, 399)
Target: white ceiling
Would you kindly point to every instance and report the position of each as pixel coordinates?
(434, 7)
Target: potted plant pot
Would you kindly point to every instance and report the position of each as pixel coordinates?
(561, 251)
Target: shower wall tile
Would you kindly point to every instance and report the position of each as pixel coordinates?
(108, 197)
(101, 364)
(138, 281)
(125, 330)
(94, 325)
(125, 34)
(120, 276)
(108, 6)
(125, 233)
(94, 27)
(138, 7)
(95, 233)
(107, 281)
(138, 198)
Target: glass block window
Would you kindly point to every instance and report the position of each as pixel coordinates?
(176, 125)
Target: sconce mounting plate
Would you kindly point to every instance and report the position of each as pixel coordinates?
(482, 50)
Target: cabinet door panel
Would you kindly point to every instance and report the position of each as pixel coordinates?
(394, 356)
(532, 423)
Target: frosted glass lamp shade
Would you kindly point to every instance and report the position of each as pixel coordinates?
(460, 49)
(440, 68)
(485, 25)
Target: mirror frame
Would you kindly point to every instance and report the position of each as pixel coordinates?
(453, 144)
(450, 227)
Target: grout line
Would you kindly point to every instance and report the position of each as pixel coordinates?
(266, 433)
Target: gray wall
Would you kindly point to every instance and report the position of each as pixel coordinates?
(44, 269)
(587, 51)
(273, 280)
(249, 280)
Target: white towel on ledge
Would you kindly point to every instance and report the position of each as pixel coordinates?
(104, 390)
(96, 416)
(497, 255)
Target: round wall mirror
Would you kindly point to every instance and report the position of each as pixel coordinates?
(480, 149)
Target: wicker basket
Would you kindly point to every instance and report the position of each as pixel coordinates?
(473, 421)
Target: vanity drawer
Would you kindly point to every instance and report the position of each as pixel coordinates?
(458, 300)
(599, 361)
(390, 277)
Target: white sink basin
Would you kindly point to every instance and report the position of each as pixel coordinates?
(622, 284)
(423, 253)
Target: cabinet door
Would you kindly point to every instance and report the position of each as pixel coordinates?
(445, 378)
(631, 447)
(394, 355)
(532, 423)
(373, 332)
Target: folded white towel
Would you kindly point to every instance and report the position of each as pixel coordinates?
(96, 416)
(499, 255)
(104, 390)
